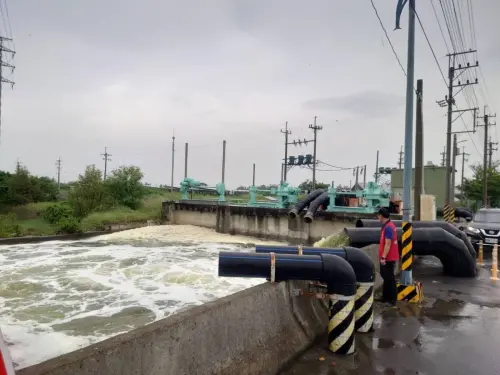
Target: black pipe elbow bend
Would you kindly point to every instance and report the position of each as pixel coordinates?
(338, 275)
(361, 263)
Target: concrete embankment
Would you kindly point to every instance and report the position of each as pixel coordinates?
(270, 223)
(111, 228)
(253, 332)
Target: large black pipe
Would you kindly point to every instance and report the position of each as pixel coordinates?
(304, 203)
(358, 259)
(323, 199)
(370, 223)
(332, 270)
(462, 212)
(450, 250)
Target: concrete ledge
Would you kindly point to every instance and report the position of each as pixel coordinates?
(253, 332)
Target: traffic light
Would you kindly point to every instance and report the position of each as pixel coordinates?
(308, 159)
(291, 160)
(300, 159)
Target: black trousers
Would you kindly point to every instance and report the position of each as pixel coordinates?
(389, 289)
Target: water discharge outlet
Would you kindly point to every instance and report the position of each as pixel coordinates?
(332, 270)
(299, 207)
(364, 270)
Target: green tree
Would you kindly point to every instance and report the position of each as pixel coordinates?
(473, 187)
(307, 185)
(88, 193)
(125, 186)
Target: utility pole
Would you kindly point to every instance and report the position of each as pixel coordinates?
(223, 160)
(453, 169)
(315, 129)
(6, 65)
(419, 150)
(58, 166)
(287, 133)
(443, 157)
(186, 160)
(490, 152)
(376, 169)
(400, 160)
(406, 250)
(486, 125)
(106, 158)
(357, 176)
(464, 154)
(450, 101)
(172, 170)
(253, 175)
(364, 177)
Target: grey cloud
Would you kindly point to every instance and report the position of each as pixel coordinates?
(124, 74)
(367, 103)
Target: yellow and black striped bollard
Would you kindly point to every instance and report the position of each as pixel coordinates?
(449, 213)
(407, 246)
(341, 324)
(363, 308)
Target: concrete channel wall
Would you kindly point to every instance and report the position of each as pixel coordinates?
(253, 332)
(270, 223)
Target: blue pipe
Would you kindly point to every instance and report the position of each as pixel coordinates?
(360, 262)
(332, 270)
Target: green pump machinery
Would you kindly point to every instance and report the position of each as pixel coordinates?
(189, 183)
(373, 194)
(287, 195)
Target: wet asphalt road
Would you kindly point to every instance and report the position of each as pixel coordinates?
(456, 331)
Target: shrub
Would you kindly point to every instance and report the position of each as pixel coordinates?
(8, 226)
(68, 225)
(55, 213)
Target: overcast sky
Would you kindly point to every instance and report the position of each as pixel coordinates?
(124, 74)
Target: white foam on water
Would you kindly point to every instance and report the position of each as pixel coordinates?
(59, 296)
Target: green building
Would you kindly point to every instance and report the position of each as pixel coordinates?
(434, 183)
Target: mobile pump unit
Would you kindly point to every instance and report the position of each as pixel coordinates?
(373, 195)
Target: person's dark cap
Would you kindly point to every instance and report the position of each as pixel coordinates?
(384, 212)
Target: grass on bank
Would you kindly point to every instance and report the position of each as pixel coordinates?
(27, 220)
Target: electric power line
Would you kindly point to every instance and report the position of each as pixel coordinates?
(432, 49)
(387, 37)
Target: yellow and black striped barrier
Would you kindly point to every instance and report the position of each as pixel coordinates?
(341, 324)
(407, 246)
(449, 213)
(363, 308)
(411, 293)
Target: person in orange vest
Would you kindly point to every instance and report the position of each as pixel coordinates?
(388, 256)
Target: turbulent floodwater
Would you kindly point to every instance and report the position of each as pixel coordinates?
(58, 296)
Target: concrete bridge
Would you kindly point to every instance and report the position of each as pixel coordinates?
(266, 330)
